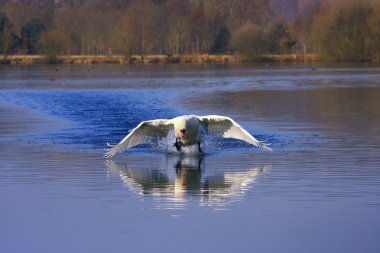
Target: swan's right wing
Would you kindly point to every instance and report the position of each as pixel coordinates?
(228, 128)
(141, 134)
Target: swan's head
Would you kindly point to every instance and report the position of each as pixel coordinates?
(182, 132)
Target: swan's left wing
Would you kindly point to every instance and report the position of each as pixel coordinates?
(141, 134)
(228, 128)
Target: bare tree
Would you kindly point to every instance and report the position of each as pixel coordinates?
(144, 27)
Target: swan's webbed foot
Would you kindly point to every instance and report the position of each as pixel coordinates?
(199, 148)
(178, 145)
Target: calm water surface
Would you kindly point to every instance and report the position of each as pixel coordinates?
(318, 191)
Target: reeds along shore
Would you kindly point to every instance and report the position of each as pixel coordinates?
(152, 59)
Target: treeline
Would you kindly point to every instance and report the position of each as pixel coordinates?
(333, 29)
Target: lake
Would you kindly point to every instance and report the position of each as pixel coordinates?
(318, 191)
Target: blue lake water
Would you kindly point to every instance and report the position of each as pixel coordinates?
(318, 191)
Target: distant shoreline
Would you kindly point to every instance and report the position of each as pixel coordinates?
(153, 59)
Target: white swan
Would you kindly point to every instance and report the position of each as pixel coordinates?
(186, 130)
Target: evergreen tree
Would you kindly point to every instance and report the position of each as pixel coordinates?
(280, 40)
(8, 40)
(221, 41)
(30, 34)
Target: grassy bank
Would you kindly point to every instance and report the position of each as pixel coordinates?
(151, 59)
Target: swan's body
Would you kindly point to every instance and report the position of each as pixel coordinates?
(191, 124)
(186, 130)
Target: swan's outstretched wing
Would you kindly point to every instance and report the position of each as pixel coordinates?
(228, 128)
(141, 134)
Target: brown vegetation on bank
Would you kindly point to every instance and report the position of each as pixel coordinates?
(151, 59)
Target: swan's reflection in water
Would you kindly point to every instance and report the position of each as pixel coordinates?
(175, 180)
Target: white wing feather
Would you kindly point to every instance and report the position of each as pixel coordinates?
(228, 128)
(141, 134)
